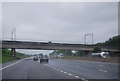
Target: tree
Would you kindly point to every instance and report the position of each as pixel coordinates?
(114, 41)
(96, 50)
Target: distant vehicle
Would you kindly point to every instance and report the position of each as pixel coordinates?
(49, 42)
(35, 58)
(40, 55)
(102, 54)
(56, 56)
(44, 58)
(60, 55)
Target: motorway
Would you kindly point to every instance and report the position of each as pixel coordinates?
(59, 69)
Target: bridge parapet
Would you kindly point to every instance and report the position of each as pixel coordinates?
(53, 46)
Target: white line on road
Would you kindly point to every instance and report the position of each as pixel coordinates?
(58, 69)
(69, 74)
(85, 63)
(61, 70)
(103, 71)
(50, 66)
(76, 76)
(65, 72)
(100, 65)
(84, 79)
(11, 64)
(55, 68)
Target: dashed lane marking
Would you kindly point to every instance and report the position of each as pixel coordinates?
(61, 70)
(100, 65)
(58, 69)
(76, 76)
(84, 79)
(65, 72)
(103, 71)
(68, 73)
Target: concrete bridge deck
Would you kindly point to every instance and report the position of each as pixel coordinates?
(53, 46)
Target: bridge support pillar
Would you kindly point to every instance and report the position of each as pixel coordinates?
(13, 52)
(87, 53)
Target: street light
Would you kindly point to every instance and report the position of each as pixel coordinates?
(13, 34)
(87, 35)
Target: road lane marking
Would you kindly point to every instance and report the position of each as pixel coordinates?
(58, 69)
(11, 64)
(54, 68)
(51, 66)
(100, 65)
(69, 74)
(103, 71)
(65, 72)
(84, 79)
(76, 76)
(85, 63)
(61, 70)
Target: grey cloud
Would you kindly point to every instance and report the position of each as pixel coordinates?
(60, 21)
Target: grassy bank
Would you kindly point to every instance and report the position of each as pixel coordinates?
(1, 58)
(0, 55)
(6, 56)
(112, 59)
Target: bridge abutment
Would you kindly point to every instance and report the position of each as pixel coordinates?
(87, 53)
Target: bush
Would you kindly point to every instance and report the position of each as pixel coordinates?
(96, 50)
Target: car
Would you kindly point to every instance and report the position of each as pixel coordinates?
(44, 58)
(49, 42)
(40, 55)
(105, 54)
(35, 58)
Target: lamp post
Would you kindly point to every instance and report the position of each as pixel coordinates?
(13, 34)
(86, 36)
(13, 52)
(85, 41)
(92, 39)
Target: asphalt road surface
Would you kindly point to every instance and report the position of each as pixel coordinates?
(59, 69)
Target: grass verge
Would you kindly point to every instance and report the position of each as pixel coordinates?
(0, 58)
(6, 56)
(98, 59)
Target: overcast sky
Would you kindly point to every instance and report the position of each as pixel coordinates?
(60, 22)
